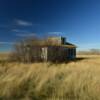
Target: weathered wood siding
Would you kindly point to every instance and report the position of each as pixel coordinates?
(36, 53)
(71, 53)
(53, 53)
(57, 53)
(44, 53)
(57, 40)
(60, 53)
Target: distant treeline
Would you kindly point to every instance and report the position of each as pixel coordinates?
(89, 52)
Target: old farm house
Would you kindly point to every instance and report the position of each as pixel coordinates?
(56, 49)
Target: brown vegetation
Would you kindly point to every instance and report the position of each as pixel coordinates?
(77, 80)
(26, 49)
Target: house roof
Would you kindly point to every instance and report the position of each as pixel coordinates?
(67, 45)
(44, 43)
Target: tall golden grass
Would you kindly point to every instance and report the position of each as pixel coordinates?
(76, 80)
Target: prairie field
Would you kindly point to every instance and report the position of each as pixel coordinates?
(74, 80)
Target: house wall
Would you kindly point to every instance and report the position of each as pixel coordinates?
(36, 53)
(44, 53)
(53, 53)
(57, 40)
(71, 53)
(57, 53)
(61, 53)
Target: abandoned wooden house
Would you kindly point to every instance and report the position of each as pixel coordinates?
(57, 49)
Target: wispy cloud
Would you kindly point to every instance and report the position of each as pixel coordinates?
(26, 34)
(6, 43)
(19, 31)
(55, 33)
(23, 22)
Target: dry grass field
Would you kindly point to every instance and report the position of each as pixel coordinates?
(76, 80)
(4, 55)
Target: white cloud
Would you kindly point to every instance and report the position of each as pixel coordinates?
(19, 31)
(23, 23)
(55, 33)
(26, 34)
(6, 43)
(15, 30)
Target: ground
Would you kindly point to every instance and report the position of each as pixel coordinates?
(74, 80)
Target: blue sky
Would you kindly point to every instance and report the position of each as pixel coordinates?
(78, 20)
